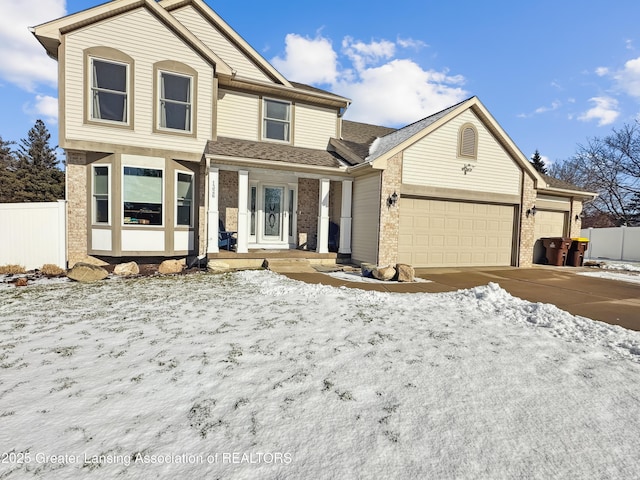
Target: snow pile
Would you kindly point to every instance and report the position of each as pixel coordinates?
(253, 375)
(627, 267)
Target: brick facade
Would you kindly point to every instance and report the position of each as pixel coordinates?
(527, 224)
(228, 199)
(77, 209)
(308, 195)
(390, 214)
(576, 225)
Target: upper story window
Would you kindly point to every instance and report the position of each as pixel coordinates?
(175, 104)
(468, 141)
(109, 92)
(277, 120)
(175, 101)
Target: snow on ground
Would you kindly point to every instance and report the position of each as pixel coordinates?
(357, 277)
(621, 271)
(252, 375)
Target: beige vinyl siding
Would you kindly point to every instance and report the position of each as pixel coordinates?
(365, 213)
(437, 233)
(219, 44)
(141, 36)
(314, 126)
(433, 161)
(547, 224)
(238, 115)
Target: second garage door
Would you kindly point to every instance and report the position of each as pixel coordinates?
(547, 224)
(437, 233)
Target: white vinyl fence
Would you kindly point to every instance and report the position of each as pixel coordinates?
(33, 234)
(617, 243)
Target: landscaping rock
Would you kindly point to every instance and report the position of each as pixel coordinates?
(127, 269)
(87, 273)
(366, 269)
(406, 273)
(171, 266)
(384, 273)
(216, 266)
(92, 261)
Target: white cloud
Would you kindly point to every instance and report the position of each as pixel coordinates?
(385, 90)
(400, 92)
(308, 60)
(45, 107)
(363, 54)
(411, 43)
(554, 106)
(605, 111)
(602, 71)
(24, 61)
(629, 77)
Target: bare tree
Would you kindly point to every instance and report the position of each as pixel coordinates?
(609, 166)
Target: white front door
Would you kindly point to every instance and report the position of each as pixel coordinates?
(272, 215)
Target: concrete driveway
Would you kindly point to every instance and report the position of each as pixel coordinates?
(610, 301)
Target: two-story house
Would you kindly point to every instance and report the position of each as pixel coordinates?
(172, 125)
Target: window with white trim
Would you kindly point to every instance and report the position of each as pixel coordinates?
(109, 91)
(184, 199)
(142, 196)
(175, 101)
(277, 120)
(101, 188)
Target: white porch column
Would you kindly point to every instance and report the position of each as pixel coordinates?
(345, 219)
(213, 215)
(243, 220)
(323, 217)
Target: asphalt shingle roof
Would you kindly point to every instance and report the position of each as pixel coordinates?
(233, 147)
(392, 140)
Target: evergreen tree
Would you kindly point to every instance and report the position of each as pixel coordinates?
(538, 163)
(38, 174)
(8, 165)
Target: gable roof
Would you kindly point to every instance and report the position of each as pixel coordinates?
(387, 143)
(50, 34)
(231, 35)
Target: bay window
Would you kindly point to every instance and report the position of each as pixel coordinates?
(184, 199)
(142, 195)
(100, 187)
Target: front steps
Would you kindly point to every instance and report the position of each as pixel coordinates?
(288, 265)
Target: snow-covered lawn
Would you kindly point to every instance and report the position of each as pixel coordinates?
(255, 376)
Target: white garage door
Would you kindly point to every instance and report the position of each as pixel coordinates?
(547, 224)
(436, 233)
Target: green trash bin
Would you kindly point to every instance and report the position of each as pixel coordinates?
(557, 250)
(579, 246)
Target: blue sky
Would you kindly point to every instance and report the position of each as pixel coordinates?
(553, 74)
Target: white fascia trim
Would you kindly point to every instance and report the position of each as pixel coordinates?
(277, 165)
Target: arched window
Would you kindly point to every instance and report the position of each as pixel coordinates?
(468, 141)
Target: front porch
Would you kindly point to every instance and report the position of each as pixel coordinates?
(280, 212)
(255, 258)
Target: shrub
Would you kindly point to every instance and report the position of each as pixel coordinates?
(11, 269)
(51, 270)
